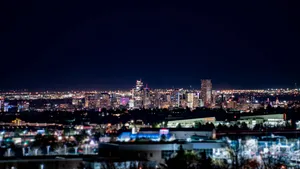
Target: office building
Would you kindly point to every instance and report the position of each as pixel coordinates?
(104, 101)
(138, 94)
(206, 92)
(91, 102)
(146, 98)
(1, 104)
(190, 100)
(175, 97)
(196, 100)
(6, 106)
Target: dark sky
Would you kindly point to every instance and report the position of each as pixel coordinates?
(105, 44)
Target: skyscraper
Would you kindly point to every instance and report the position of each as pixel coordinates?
(1, 104)
(206, 92)
(190, 100)
(175, 97)
(104, 101)
(146, 98)
(138, 94)
(91, 101)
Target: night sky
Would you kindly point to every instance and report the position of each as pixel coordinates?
(108, 45)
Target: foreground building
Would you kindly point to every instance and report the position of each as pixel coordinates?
(158, 152)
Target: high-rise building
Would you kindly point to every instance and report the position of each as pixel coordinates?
(77, 102)
(175, 97)
(213, 97)
(105, 101)
(190, 100)
(138, 94)
(196, 100)
(1, 104)
(146, 98)
(91, 101)
(168, 98)
(206, 92)
(201, 104)
(131, 103)
(6, 106)
(156, 98)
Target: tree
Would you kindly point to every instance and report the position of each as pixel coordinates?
(178, 161)
(210, 126)
(182, 160)
(198, 125)
(163, 138)
(257, 127)
(205, 162)
(244, 126)
(178, 126)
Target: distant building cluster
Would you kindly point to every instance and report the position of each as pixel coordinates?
(143, 97)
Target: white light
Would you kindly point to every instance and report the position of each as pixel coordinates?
(59, 137)
(92, 142)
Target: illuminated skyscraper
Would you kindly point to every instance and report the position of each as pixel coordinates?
(157, 99)
(91, 101)
(146, 98)
(104, 101)
(6, 107)
(138, 94)
(213, 97)
(206, 92)
(190, 100)
(131, 103)
(168, 98)
(196, 100)
(1, 104)
(175, 97)
(139, 85)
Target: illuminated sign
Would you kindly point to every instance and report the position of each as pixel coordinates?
(164, 131)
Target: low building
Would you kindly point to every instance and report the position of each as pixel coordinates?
(41, 162)
(170, 134)
(158, 152)
(188, 123)
(267, 119)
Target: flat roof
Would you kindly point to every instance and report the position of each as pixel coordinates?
(194, 119)
(265, 116)
(172, 129)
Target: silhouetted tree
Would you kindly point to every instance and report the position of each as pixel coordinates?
(163, 138)
(205, 162)
(244, 126)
